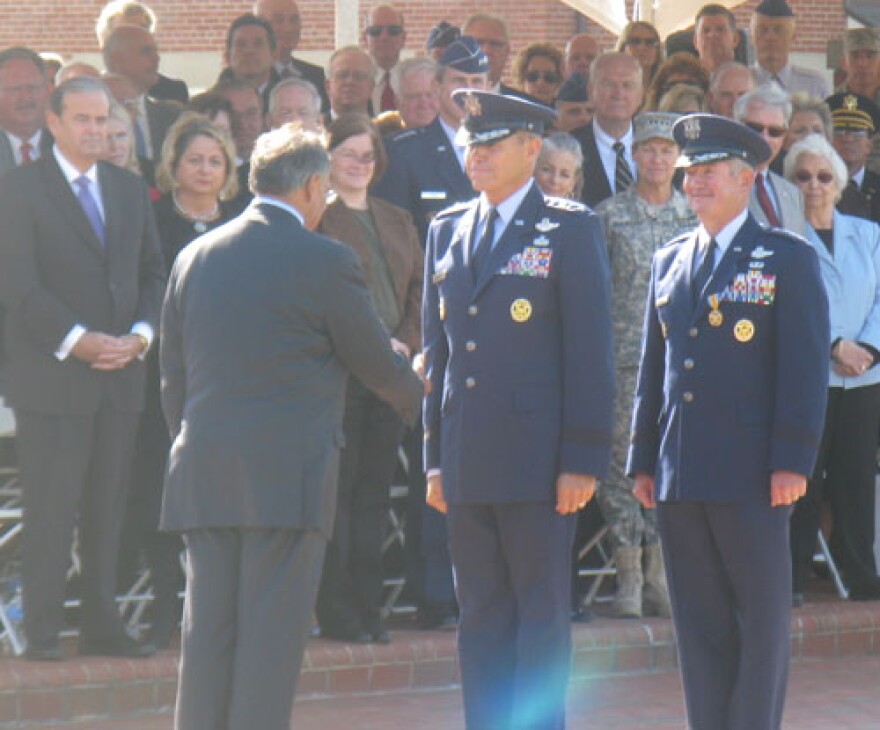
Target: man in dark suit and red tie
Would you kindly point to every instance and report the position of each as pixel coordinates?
(81, 281)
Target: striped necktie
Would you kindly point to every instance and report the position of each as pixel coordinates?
(623, 176)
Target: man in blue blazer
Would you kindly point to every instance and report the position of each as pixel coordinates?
(517, 344)
(728, 415)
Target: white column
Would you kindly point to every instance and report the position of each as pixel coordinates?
(348, 13)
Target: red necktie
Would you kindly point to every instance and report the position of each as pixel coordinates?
(26, 149)
(387, 102)
(765, 202)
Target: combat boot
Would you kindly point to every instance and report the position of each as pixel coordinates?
(656, 591)
(628, 598)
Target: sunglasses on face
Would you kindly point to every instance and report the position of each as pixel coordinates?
(550, 77)
(825, 178)
(374, 31)
(648, 42)
(771, 129)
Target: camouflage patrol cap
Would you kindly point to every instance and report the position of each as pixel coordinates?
(653, 125)
(861, 39)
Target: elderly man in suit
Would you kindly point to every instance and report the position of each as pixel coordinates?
(81, 279)
(774, 201)
(253, 387)
(616, 90)
(728, 415)
(517, 344)
(24, 96)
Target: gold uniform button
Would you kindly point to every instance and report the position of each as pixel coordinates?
(688, 397)
(688, 364)
(470, 346)
(473, 309)
(470, 383)
(693, 332)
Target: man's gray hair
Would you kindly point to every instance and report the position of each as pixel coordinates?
(725, 68)
(410, 67)
(603, 59)
(818, 146)
(356, 50)
(294, 82)
(77, 85)
(285, 159)
(768, 95)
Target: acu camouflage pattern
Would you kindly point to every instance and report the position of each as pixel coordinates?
(634, 230)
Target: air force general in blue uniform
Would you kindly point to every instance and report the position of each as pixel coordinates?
(727, 420)
(518, 357)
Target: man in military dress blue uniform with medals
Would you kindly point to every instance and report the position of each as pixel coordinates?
(517, 342)
(728, 415)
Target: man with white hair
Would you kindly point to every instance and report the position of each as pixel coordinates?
(294, 100)
(774, 201)
(729, 82)
(415, 86)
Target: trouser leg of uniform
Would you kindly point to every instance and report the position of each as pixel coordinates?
(487, 628)
(753, 541)
(413, 442)
(279, 575)
(702, 611)
(53, 454)
(439, 591)
(378, 462)
(537, 541)
(208, 638)
(850, 486)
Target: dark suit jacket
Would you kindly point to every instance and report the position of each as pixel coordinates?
(160, 116)
(597, 187)
(7, 157)
(403, 255)
(423, 175)
(55, 274)
(166, 89)
(253, 383)
(315, 74)
(227, 75)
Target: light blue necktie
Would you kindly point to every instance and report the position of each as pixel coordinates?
(89, 206)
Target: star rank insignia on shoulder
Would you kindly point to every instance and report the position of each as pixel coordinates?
(564, 204)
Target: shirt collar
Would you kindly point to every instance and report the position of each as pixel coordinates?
(266, 200)
(506, 208)
(859, 177)
(450, 131)
(725, 235)
(603, 137)
(70, 172)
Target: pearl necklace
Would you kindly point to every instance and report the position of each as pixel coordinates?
(199, 220)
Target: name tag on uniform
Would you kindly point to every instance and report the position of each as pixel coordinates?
(433, 195)
(439, 276)
(661, 301)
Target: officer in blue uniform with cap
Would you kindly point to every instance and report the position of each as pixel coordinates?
(517, 344)
(425, 172)
(728, 416)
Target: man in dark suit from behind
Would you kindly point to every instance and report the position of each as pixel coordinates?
(616, 90)
(131, 51)
(24, 95)
(253, 386)
(286, 21)
(81, 280)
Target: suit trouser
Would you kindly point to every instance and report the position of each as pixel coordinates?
(72, 465)
(729, 573)
(845, 473)
(247, 614)
(512, 567)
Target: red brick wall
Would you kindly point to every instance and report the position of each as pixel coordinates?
(67, 26)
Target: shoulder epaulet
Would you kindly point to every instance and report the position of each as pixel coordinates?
(453, 209)
(785, 233)
(678, 239)
(571, 206)
(402, 135)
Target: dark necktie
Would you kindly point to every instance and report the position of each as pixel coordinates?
(27, 150)
(703, 272)
(623, 176)
(764, 200)
(387, 102)
(89, 206)
(482, 248)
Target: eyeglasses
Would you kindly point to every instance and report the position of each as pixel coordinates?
(368, 158)
(771, 129)
(648, 42)
(374, 31)
(803, 177)
(550, 77)
(850, 132)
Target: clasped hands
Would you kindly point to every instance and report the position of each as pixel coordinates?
(107, 352)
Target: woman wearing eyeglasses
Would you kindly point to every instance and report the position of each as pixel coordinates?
(849, 258)
(538, 71)
(385, 239)
(641, 39)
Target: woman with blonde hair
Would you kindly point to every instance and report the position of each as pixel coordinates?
(640, 39)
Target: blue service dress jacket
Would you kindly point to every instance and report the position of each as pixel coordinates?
(519, 359)
(735, 388)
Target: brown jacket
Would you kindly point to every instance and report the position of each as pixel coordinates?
(404, 255)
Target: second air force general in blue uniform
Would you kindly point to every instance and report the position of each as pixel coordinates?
(728, 416)
(518, 359)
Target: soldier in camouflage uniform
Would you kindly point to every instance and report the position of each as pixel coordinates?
(637, 222)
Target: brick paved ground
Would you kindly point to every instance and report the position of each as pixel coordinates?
(825, 694)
